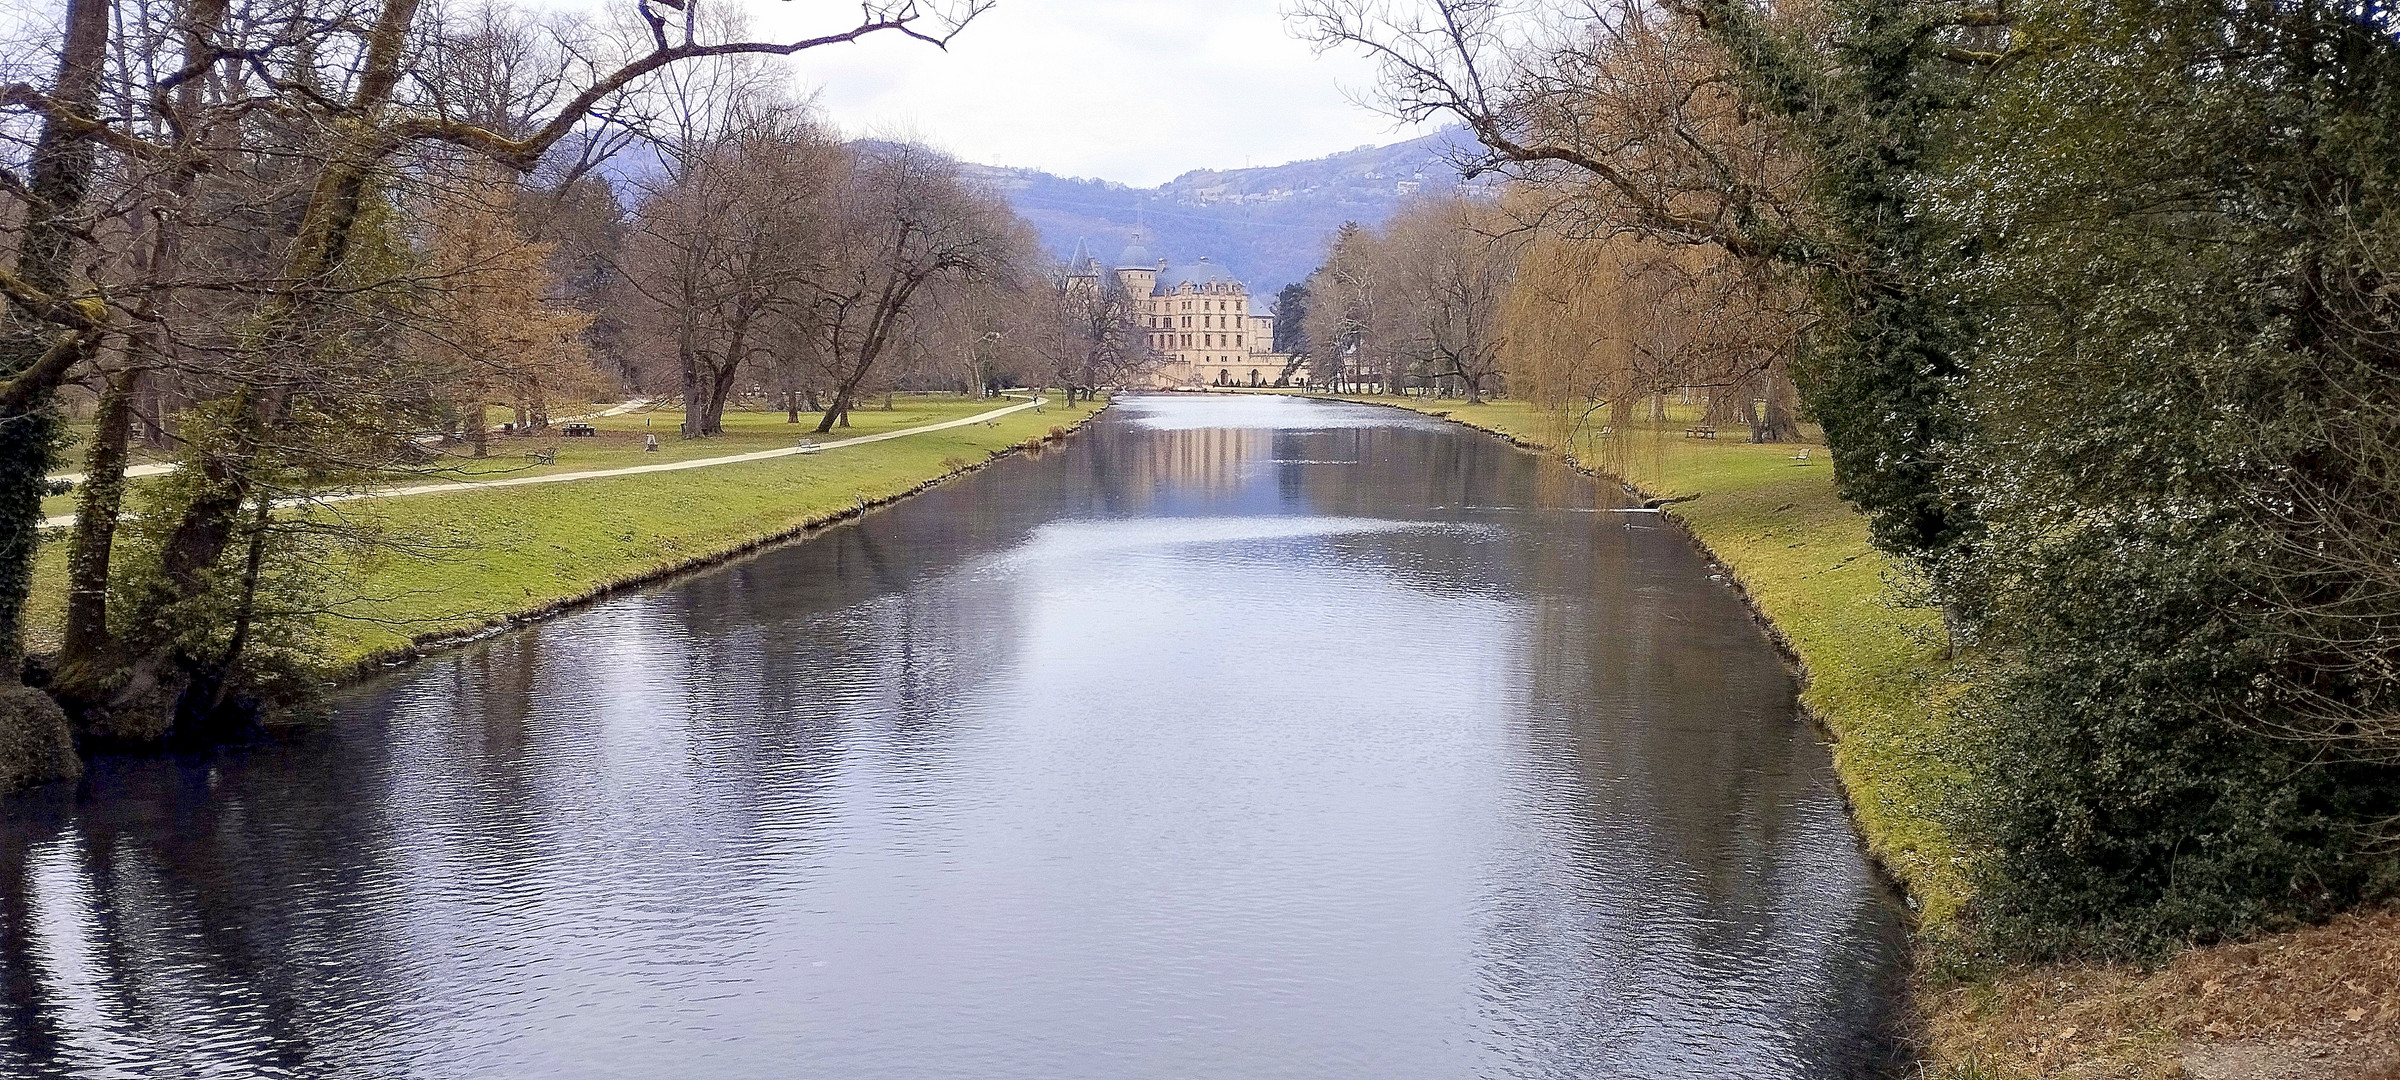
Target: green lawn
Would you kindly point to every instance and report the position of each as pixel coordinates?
(469, 559)
(1875, 673)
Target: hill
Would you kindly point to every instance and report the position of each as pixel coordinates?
(1268, 225)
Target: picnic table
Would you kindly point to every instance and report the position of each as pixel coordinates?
(580, 430)
(1704, 431)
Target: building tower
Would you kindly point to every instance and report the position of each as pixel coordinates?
(1136, 267)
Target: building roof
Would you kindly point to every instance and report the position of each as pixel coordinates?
(1081, 264)
(1204, 272)
(1136, 256)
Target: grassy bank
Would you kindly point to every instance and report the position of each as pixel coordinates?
(2322, 1002)
(460, 562)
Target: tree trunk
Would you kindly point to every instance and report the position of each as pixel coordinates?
(689, 354)
(151, 411)
(720, 388)
(248, 611)
(62, 165)
(470, 422)
(1783, 419)
(89, 647)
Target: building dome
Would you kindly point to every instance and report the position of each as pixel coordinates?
(1136, 256)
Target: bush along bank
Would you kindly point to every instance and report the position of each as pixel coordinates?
(1917, 758)
(449, 567)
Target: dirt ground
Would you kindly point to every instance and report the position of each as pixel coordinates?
(2316, 1004)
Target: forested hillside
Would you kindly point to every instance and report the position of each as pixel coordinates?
(1269, 225)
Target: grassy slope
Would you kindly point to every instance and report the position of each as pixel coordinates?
(474, 558)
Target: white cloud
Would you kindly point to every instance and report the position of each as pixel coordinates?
(1129, 90)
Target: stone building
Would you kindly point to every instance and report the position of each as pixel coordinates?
(1197, 319)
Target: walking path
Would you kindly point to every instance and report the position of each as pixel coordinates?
(64, 520)
(618, 410)
(165, 467)
(131, 471)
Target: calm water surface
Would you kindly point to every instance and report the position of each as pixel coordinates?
(1244, 738)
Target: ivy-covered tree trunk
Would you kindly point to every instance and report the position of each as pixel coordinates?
(62, 166)
(1886, 383)
(88, 640)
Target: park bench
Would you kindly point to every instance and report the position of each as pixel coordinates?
(1800, 458)
(580, 430)
(545, 457)
(1702, 432)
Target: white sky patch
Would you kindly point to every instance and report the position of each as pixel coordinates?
(1136, 91)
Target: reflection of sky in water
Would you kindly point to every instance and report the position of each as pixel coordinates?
(1172, 754)
(1197, 412)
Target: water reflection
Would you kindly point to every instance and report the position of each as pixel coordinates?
(1243, 738)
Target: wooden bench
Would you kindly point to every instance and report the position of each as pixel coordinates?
(1702, 432)
(544, 457)
(579, 431)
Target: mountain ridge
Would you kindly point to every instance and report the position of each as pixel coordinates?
(1269, 225)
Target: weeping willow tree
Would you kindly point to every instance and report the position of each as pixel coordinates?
(1602, 332)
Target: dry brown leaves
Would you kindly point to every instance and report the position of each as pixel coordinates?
(2317, 1003)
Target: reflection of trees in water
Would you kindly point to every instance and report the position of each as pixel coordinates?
(1715, 856)
(193, 918)
(687, 748)
(1685, 841)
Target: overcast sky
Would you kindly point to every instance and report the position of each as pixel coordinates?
(1129, 90)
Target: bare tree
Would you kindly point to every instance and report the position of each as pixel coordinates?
(730, 242)
(1086, 330)
(903, 221)
(1451, 262)
(1622, 126)
(274, 140)
(1349, 321)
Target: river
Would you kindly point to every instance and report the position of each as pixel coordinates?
(1241, 738)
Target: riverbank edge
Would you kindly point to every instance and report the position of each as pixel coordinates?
(1922, 997)
(429, 644)
(2285, 1004)
(34, 749)
(1826, 723)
